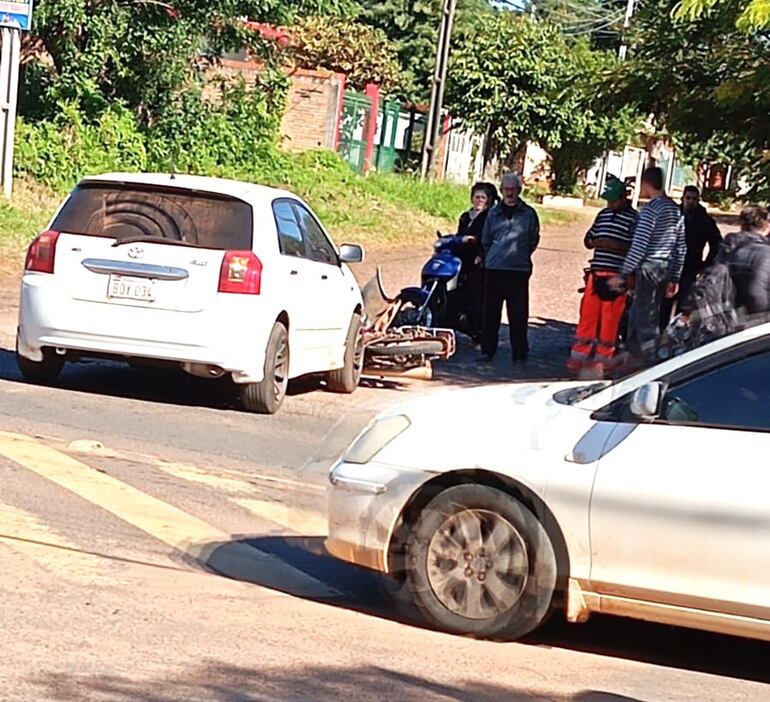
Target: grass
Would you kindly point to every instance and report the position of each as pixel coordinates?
(379, 211)
(21, 218)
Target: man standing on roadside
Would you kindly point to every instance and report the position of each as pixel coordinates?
(510, 236)
(601, 309)
(655, 259)
(700, 229)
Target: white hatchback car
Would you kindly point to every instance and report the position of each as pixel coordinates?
(647, 498)
(218, 276)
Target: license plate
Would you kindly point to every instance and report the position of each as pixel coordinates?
(126, 287)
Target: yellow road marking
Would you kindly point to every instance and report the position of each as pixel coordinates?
(195, 474)
(228, 480)
(298, 520)
(20, 530)
(159, 519)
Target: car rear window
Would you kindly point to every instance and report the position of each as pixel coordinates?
(124, 211)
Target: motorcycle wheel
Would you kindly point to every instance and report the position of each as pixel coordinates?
(409, 314)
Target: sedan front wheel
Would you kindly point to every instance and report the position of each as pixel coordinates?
(479, 562)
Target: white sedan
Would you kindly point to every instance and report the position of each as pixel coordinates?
(647, 498)
(216, 276)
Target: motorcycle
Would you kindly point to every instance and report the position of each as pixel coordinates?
(450, 294)
(392, 347)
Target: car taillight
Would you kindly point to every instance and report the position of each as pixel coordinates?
(241, 273)
(41, 254)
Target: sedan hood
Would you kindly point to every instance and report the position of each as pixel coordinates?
(477, 426)
(467, 402)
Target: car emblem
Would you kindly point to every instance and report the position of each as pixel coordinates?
(136, 252)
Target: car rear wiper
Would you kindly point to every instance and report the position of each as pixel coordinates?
(158, 239)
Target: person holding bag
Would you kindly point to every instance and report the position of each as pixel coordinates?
(602, 307)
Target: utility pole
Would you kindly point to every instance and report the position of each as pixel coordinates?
(433, 123)
(626, 24)
(15, 18)
(622, 52)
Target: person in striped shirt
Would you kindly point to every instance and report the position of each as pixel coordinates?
(655, 261)
(601, 308)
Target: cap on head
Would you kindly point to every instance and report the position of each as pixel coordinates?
(614, 189)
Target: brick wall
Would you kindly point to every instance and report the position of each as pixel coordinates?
(312, 104)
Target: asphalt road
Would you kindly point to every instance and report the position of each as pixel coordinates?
(157, 544)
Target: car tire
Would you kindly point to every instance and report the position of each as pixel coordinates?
(45, 371)
(480, 563)
(267, 396)
(346, 379)
(416, 348)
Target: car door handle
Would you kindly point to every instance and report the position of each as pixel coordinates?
(324, 277)
(294, 273)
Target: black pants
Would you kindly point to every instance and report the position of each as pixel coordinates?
(652, 278)
(511, 288)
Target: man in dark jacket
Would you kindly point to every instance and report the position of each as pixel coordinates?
(510, 236)
(747, 254)
(700, 230)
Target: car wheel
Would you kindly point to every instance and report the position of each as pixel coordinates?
(267, 396)
(45, 371)
(345, 380)
(479, 562)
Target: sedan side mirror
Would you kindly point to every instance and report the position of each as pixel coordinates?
(645, 403)
(351, 253)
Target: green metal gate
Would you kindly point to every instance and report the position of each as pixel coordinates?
(352, 144)
(385, 151)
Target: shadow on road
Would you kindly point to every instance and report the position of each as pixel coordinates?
(361, 590)
(168, 385)
(549, 341)
(223, 682)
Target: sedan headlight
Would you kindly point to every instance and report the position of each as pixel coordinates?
(375, 438)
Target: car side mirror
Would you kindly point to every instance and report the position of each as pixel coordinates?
(645, 402)
(351, 253)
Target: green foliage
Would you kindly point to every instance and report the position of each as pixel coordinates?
(547, 89)
(754, 15)
(227, 137)
(412, 26)
(706, 82)
(362, 52)
(59, 151)
(142, 54)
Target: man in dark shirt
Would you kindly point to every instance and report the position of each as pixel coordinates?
(510, 236)
(601, 309)
(700, 230)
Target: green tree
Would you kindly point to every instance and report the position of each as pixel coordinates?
(412, 26)
(96, 52)
(520, 80)
(362, 52)
(706, 82)
(754, 15)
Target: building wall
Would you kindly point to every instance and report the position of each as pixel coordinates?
(313, 103)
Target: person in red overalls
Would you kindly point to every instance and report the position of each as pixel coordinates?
(601, 309)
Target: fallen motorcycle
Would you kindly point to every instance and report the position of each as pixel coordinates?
(450, 291)
(390, 345)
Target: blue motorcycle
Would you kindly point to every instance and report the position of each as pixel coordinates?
(451, 291)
